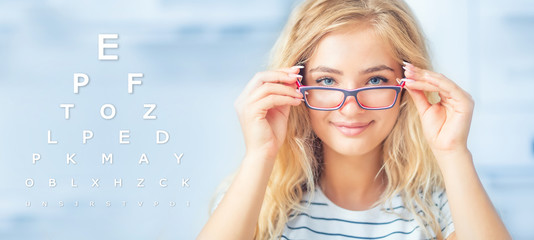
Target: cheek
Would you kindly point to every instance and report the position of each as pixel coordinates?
(388, 120)
(318, 121)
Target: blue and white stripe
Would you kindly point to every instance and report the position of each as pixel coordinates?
(326, 221)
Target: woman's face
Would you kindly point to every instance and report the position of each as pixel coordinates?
(352, 58)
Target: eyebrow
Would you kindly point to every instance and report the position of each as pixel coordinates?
(326, 69)
(366, 71)
(376, 69)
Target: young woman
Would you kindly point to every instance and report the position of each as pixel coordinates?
(362, 144)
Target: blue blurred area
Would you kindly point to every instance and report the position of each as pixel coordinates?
(196, 57)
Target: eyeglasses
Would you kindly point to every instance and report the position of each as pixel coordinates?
(370, 98)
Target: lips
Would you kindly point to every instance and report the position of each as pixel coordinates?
(351, 129)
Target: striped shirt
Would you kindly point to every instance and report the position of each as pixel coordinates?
(326, 221)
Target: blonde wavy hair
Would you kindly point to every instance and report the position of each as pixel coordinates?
(408, 163)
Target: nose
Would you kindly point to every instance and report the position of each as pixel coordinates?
(351, 106)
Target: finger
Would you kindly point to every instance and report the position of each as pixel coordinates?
(420, 100)
(450, 90)
(273, 77)
(423, 86)
(274, 89)
(291, 71)
(446, 92)
(294, 69)
(272, 101)
(437, 79)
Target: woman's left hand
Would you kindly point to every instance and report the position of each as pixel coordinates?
(446, 123)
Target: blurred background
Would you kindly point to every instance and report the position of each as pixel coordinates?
(196, 57)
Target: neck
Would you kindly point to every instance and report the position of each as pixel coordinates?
(351, 182)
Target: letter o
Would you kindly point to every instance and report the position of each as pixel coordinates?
(29, 180)
(103, 111)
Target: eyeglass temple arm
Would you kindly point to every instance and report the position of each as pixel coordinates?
(402, 83)
(299, 84)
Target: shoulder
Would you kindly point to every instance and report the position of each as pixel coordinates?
(439, 198)
(443, 212)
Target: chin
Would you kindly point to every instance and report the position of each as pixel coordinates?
(352, 147)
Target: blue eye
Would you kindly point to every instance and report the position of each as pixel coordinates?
(326, 81)
(376, 80)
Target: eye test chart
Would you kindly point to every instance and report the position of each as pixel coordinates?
(98, 152)
(108, 111)
(105, 143)
(118, 122)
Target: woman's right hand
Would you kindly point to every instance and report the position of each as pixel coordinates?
(263, 110)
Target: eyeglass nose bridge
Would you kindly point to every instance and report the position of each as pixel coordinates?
(353, 93)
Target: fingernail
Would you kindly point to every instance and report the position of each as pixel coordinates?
(295, 75)
(406, 80)
(407, 69)
(405, 63)
(298, 67)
